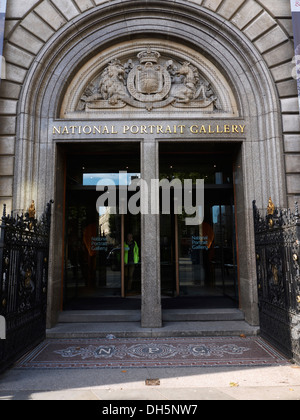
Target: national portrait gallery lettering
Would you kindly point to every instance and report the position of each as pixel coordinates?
(148, 129)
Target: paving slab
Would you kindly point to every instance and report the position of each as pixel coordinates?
(267, 383)
(278, 382)
(134, 329)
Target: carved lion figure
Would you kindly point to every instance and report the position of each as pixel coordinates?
(112, 83)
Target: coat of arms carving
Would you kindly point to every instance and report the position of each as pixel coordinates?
(149, 81)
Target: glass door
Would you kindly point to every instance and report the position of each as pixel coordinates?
(225, 253)
(200, 260)
(92, 260)
(206, 256)
(131, 276)
(168, 255)
(102, 244)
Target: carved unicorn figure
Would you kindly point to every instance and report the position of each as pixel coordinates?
(186, 90)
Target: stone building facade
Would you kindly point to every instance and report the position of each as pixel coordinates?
(77, 79)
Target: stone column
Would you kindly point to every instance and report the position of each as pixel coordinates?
(150, 249)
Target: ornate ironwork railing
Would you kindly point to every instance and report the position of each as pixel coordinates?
(24, 253)
(277, 241)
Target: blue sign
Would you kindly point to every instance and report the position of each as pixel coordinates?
(2, 328)
(295, 6)
(2, 24)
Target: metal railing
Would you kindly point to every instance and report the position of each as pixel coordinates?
(24, 253)
(277, 242)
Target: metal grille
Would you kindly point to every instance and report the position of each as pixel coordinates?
(24, 252)
(277, 240)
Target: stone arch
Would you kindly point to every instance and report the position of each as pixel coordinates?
(38, 20)
(239, 60)
(85, 34)
(37, 24)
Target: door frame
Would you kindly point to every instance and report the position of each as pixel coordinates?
(233, 155)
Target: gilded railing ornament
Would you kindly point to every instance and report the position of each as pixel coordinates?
(31, 210)
(270, 212)
(271, 207)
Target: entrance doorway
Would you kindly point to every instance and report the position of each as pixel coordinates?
(199, 266)
(102, 247)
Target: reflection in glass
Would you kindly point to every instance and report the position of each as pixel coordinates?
(95, 238)
(201, 260)
(92, 253)
(120, 178)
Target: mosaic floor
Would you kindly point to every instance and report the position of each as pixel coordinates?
(159, 352)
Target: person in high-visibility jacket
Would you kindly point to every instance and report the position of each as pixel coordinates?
(131, 258)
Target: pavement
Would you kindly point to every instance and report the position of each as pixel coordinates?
(280, 382)
(196, 384)
(175, 384)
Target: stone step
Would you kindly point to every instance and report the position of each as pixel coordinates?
(204, 315)
(169, 329)
(169, 315)
(100, 316)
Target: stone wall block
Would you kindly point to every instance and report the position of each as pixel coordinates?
(48, 12)
(283, 71)
(278, 8)
(7, 145)
(15, 73)
(101, 1)
(212, 4)
(292, 142)
(26, 40)
(37, 26)
(287, 88)
(199, 2)
(290, 105)
(17, 9)
(274, 37)
(10, 26)
(293, 184)
(284, 52)
(229, 7)
(8, 107)
(246, 14)
(6, 186)
(287, 25)
(292, 163)
(259, 26)
(9, 89)
(291, 123)
(7, 125)
(15, 55)
(84, 4)
(67, 8)
(6, 165)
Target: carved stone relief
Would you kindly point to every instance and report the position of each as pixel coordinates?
(149, 81)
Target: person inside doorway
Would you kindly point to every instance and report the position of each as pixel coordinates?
(131, 259)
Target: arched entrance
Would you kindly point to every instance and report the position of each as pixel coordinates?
(247, 114)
